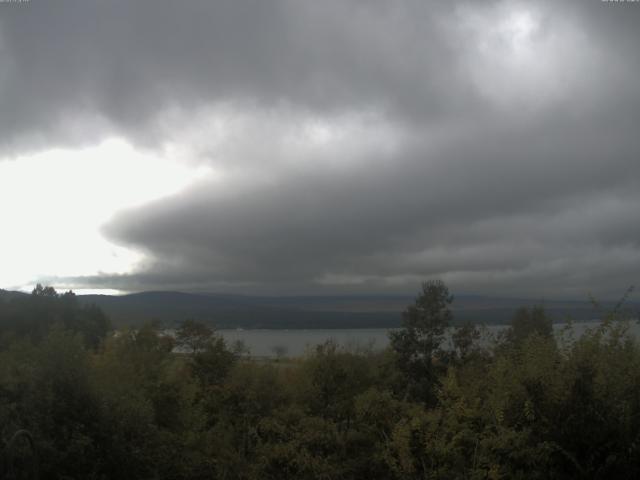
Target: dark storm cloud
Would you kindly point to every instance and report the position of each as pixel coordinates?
(410, 218)
(72, 64)
(365, 146)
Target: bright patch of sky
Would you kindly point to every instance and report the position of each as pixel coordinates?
(518, 54)
(55, 202)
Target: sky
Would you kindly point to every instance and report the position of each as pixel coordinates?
(337, 147)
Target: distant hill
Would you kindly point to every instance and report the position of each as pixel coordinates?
(353, 311)
(237, 311)
(8, 294)
(348, 311)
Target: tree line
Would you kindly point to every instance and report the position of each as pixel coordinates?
(139, 404)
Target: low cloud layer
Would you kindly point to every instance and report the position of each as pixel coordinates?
(350, 146)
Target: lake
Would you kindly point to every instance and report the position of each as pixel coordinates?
(267, 343)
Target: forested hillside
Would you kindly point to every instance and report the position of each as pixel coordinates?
(130, 405)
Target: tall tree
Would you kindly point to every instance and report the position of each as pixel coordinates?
(418, 341)
(193, 336)
(527, 321)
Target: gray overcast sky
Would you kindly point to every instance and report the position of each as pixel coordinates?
(292, 146)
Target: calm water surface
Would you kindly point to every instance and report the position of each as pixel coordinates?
(270, 343)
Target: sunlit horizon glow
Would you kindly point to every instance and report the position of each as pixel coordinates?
(54, 217)
(55, 203)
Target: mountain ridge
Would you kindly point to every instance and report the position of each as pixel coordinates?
(322, 311)
(310, 311)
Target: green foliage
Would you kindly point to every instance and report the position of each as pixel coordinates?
(212, 364)
(34, 315)
(417, 343)
(528, 321)
(335, 378)
(465, 341)
(138, 407)
(193, 336)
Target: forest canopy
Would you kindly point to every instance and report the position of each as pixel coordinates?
(138, 403)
